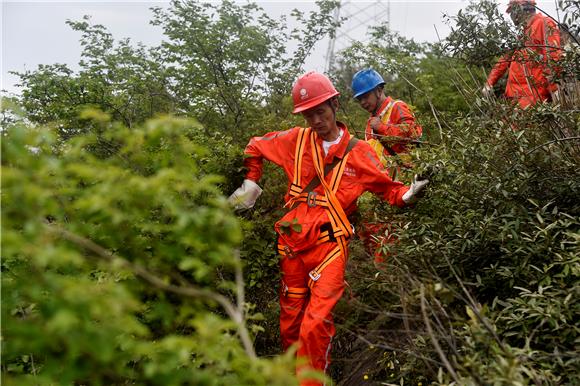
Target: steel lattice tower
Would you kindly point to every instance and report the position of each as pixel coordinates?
(358, 15)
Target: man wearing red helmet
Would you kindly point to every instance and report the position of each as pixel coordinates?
(327, 171)
(531, 68)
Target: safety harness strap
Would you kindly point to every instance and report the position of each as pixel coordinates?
(316, 179)
(295, 292)
(295, 187)
(336, 214)
(333, 255)
(316, 272)
(303, 134)
(340, 228)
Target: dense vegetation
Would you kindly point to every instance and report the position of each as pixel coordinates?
(123, 264)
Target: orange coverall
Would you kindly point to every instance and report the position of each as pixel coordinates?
(306, 305)
(530, 67)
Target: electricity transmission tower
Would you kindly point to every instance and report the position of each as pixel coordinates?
(357, 16)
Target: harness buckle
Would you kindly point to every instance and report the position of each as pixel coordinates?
(314, 275)
(311, 199)
(288, 252)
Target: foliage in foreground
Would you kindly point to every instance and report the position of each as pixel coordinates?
(487, 264)
(121, 269)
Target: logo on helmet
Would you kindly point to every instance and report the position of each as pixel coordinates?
(303, 93)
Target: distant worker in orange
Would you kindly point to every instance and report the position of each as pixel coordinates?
(327, 171)
(391, 122)
(532, 68)
(389, 129)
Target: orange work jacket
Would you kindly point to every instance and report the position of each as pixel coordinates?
(530, 67)
(362, 172)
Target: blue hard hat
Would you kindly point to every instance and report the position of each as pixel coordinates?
(365, 81)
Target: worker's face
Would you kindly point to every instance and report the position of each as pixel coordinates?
(518, 15)
(370, 100)
(322, 119)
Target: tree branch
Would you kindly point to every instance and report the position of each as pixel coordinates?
(235, 314)
(550, 142)
(434, 339)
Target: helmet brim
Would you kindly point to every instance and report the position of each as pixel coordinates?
(314, 102)
(368, 89)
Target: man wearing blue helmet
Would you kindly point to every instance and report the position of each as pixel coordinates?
(391, 121)
(388, 131)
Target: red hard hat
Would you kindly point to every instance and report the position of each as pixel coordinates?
(310, 90)
(520, 2)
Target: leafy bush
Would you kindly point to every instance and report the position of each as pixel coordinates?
(116, 269)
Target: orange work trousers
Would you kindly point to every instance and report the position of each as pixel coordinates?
(307, 321)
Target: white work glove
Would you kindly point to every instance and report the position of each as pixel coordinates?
(246, 195)
(487, 91)
(412, 195)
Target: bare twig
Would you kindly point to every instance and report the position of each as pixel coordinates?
(550, 142)
(474, 307)
(387, 347)
(34, 370)
(538, 147)
(239, 281)
(428, 100)
(434, 339)
(394, 139)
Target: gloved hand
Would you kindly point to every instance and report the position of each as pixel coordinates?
(246, 195)
(487, 91)
(412, 195)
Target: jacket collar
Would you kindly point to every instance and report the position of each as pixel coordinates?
(338, 149)
(383, 106)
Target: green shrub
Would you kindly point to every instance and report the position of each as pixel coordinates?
(115, 268)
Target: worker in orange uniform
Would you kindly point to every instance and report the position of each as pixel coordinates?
(388, 131)
(327, 171)
(532, 67)
(391, 122)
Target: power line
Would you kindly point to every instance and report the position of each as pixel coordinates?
(356, 17)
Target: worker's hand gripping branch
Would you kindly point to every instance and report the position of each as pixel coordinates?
(246, 195)
(414, 192)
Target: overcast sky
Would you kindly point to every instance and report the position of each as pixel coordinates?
(35, 32)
